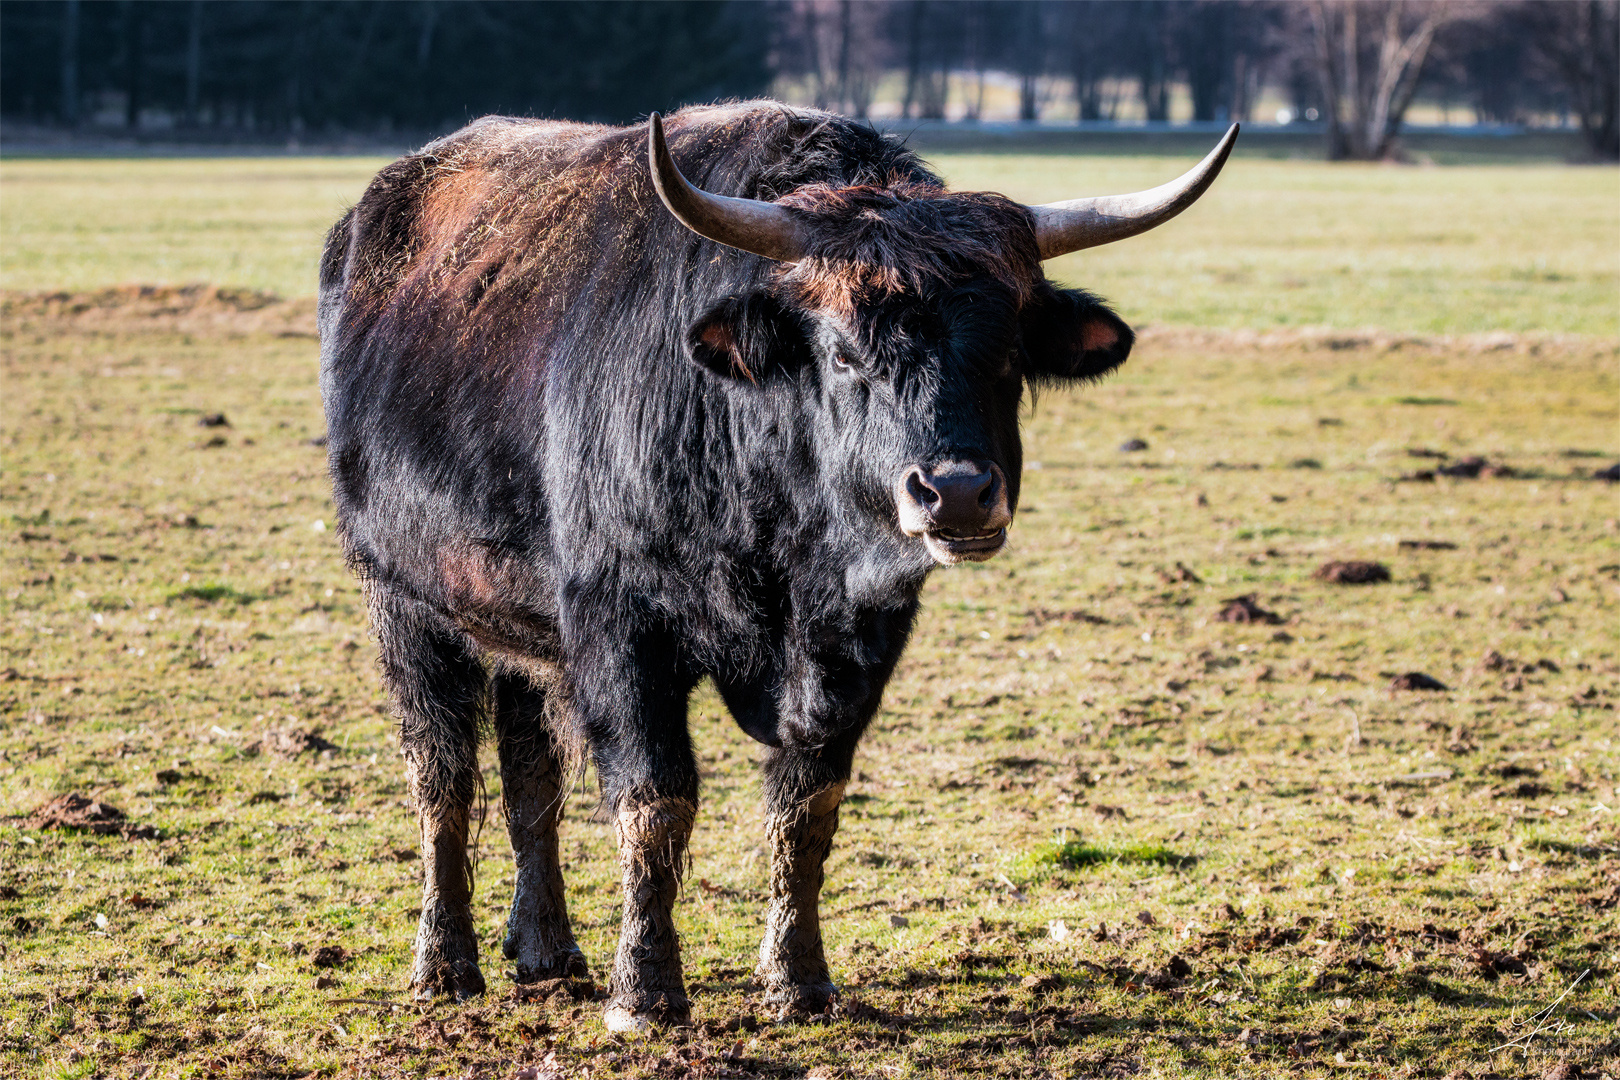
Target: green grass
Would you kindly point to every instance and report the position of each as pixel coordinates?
(1078, 855)
(1264, 859)
(1275, 244)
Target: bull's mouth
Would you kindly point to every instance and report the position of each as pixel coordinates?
(949, 548)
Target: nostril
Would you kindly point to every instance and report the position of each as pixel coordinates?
(919, 489)
(989, 492)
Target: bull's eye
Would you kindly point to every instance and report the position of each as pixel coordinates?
(841, 362)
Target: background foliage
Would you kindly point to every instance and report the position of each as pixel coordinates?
(299, 67)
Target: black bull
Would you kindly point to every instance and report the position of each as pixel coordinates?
(596, 434)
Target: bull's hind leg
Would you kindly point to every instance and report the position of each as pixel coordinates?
(439, 690)
(533, 784)
(802, 793)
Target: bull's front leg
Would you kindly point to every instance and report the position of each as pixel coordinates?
(631, 694)
(647, 988)
(792, 961)
(803, 789)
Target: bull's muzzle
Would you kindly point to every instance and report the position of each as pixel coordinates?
(959, 508)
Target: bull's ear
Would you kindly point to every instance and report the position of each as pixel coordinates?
(1070, 334)
(745, 337)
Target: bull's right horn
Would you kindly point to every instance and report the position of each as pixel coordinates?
(752, 225)
(1082, 223)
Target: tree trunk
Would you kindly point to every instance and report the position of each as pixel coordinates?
(973, 105)
(1369, 70)
(1580, 41)
(424, 40)
(134, 49)
(844, 11)
(1209, 65)
(194, 62)
(70, 63)
(914, 28)
(817, 56)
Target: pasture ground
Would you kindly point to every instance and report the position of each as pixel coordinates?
(1097, 831)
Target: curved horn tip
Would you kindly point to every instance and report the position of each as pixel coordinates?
(1061, 228)
(761, 228)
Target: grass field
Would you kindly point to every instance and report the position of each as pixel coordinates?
(1274, 243)
(1097, 831)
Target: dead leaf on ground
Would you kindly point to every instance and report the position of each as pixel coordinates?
(1492, 964)
(1181, 575)
(548, 989)
(1040, 985)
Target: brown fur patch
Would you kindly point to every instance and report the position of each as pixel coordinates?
(868, 243)
(468, 578)
(482, 590)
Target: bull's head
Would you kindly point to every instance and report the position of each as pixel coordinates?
(916, 316)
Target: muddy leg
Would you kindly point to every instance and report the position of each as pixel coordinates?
(629, 687)
(802, 797)
(438, 688)
(646, 988)
(533, 783)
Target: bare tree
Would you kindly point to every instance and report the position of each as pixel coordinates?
(1146, 40)
(1579, 42)
(841, 45)
(1369, 57)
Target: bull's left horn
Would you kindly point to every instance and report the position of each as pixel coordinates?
(1082, 223)
(751, 225)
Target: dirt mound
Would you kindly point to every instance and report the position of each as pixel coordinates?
(1352, 573)
(288, 742)
(165, 307)
(1416, 680)
(75, 811)
(1244, 609)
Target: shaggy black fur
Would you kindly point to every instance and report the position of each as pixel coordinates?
(609, 456)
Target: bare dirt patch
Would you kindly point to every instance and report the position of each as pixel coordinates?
(196, 308)
(79, 812)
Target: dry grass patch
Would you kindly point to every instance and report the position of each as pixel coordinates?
(1096, 831)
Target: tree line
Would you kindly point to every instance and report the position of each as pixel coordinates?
(286, 67)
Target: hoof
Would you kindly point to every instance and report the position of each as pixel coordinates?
(564, 965)
(459, 980)
(621, 1021)
(798, 1000)
(624, 1019)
